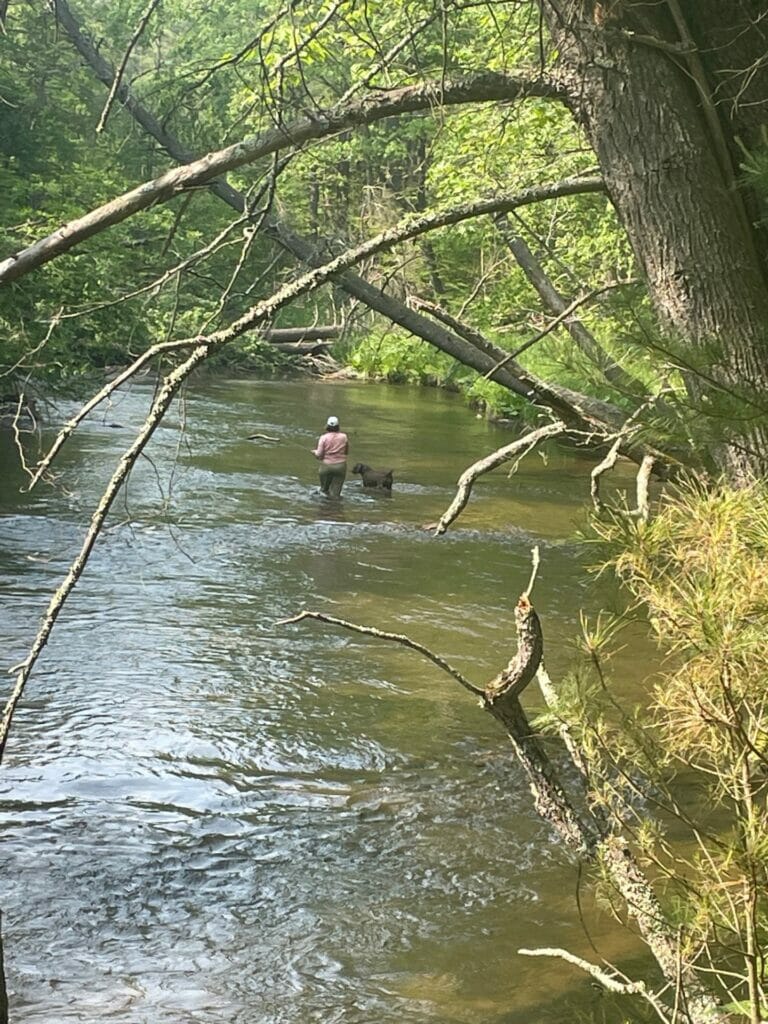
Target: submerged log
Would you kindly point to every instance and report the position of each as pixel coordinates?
(301, 348)
(287, 335)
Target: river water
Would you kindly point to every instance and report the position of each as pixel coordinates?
(208, 816)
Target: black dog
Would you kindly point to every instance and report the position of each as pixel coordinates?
(378, 478)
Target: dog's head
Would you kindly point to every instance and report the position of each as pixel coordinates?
(360, 468)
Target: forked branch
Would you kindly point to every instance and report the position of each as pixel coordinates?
(591, 836)
(397, 638)
(510, 451)
(481, 88)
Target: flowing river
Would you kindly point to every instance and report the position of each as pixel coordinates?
(207, 816)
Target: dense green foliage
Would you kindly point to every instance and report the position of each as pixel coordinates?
(686, 765)
(211, 78)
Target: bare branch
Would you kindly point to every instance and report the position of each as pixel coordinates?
(394, 637)
(71, 425)
(558, 304)
(121, 68)
(606, 980)
(521, 670)
(609, 981)
(482, 88)
(581, 300)
(53, 323)
(389, 56)
(604, 466)
(17, 434)
(501, 455)
(580, 410)
(160, 405)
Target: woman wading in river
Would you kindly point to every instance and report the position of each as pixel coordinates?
(332, 449)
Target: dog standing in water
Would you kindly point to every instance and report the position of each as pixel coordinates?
(376, 479)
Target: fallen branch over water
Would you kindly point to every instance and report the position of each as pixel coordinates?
(467, 479)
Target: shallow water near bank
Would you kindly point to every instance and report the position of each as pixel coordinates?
(210, 816)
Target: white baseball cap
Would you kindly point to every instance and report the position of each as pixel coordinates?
(332, 421)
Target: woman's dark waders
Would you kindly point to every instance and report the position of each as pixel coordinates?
(332, 476)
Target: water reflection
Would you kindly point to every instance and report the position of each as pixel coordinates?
(206, 816)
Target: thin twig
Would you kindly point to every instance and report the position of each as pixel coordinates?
(71, 425)
(477, 469)
(606, 980)
(23, 360)
(17, 435)
(121, 68)
(580, 301)
(395, 637)
(211, 248)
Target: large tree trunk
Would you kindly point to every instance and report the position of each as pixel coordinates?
(666, 156)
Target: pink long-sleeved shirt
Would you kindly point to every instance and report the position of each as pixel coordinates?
(332, 447)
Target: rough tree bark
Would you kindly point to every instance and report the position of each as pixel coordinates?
(665, 154)
(587, 833)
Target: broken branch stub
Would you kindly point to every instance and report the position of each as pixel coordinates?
(501, 699)
(513, 679)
